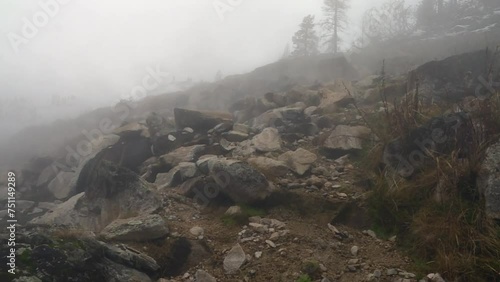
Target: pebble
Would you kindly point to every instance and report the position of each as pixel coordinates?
(354, 250)
(258, 254)
(197, 231)
(271, 243)
(391, 272)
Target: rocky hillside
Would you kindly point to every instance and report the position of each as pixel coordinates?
(332, 180)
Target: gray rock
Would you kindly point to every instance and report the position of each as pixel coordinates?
(488, 181)
(238, 127)
(177, 175)
(132, 129)
(182, 154)
(331, 101)
(200, 121)
(346, 138)
(46, 176)
(268, 140)
(354, 250)
(127, 256)
(269, 167)
(197, 231)
(235, 136)
(300, 160)
(234, 210)
(234, 259)
(141, 228)
(391, 272)
(110, 192)
(240, 181)
(203, 276)
(24, 206)
(63, 185)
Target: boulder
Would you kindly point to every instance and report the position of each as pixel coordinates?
(158, 125)
(203, 276)
(269, 167)
(455, 77)
(63, 185)
(182, 154)
(488, 181)
(235, 136)
(332, 101)
(199, 121)
(141, 228)
(299, 161)
(268, 140)
(46, 176)
(176, 175)
(280, 117)
(345, 139)
(106, 192)
(239, 181)
(132, 129)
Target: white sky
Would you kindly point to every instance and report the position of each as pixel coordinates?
(101, 48)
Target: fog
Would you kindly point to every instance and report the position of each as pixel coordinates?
(91, 53)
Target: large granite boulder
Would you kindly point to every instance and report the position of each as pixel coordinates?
(239, 181)
(345, 139)
(199, 121)
(141, 228)
(106, 192)
(300, 160)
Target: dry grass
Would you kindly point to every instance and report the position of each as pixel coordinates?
(439, 214)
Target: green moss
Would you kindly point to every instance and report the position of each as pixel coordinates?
(242, 218)
(310, 267)
(304, 278)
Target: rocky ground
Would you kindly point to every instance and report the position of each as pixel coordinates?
(271, 191)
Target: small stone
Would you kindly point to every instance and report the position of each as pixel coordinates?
(255, 219)
(258, 254)
(333, 229)
(258, 227)
(271, 243)
(323, 267)
(354, 250)
(377, 273)
(234, 210)
(197, 231)
(391, 272)
(370, 233)
(352, 261)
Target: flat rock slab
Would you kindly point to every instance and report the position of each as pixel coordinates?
(235, 258)
(141, 228)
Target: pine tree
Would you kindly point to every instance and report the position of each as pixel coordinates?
(218, 76)
(305, 40)
(286, 52)
(335, 22)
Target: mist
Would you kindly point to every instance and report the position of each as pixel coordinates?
(92, 53)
